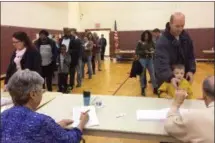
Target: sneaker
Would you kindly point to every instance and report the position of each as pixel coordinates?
(70, 88)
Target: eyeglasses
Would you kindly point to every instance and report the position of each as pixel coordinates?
(15, 42)
(41, 91)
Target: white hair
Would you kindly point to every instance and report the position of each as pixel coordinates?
(22, 83)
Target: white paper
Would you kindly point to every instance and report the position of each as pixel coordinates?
(93, 119)
(159, 114)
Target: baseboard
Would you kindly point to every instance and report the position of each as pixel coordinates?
(205, 60)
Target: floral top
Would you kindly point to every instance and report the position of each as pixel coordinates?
(19, 124)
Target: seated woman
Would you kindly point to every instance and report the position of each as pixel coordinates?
(22, 124)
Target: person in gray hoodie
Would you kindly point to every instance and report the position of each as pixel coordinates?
(63, 62)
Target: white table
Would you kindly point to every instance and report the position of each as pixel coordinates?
(3, 76)
(124, 127)
(47, 97)
(208, 51)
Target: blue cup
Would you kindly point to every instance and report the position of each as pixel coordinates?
(86, 95)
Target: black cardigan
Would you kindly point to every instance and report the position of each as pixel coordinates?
(31, 60)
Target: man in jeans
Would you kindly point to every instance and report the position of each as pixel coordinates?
(103, 43)
(98, 51)
(76, 51)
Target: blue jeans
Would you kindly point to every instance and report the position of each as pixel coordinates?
(147, 64)
(89, 66)
(79, 71)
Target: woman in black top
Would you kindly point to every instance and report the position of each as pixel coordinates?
(48, 52)
(25, 56)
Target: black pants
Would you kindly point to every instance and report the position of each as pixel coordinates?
(94, 64)
(47, 73)
(62, 82)
(72, 76)
(103, 53)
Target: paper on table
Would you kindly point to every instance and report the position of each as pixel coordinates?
(93, 119)
(154, 114)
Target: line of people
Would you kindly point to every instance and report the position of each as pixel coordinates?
(67, 56)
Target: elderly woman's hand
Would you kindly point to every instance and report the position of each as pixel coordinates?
(65, 122)
(83, 120)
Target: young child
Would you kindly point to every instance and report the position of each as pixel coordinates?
(167, 90)
(63, 62)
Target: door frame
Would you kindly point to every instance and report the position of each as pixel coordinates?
(102, 29)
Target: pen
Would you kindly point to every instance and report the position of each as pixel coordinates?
(86, 111)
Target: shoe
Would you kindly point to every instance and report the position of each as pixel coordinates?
(70, 88)
(90, 77)
(100, 70)
(143, 92)
(150, 81)
(94, 73)
(155, 91)
(78, 85)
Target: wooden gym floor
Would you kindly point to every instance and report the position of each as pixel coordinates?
(114, 80)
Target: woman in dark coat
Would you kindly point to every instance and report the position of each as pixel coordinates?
(25, 56)
(48, 51)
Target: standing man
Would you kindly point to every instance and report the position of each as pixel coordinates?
(66, 39)
(103, 43)
(174, 47)
(156, 33)
(97, 51)
(76, 52)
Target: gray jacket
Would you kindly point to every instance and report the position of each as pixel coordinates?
(64, 68)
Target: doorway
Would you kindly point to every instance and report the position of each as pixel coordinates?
(106, 34)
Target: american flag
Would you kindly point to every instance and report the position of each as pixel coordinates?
(116, 38)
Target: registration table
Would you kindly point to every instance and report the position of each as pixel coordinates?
(111, 126)
(47, 97)
(209, 53)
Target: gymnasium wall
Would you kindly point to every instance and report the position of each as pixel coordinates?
(132, 16)
(30, 17)
(50, 15)
(74, 15)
